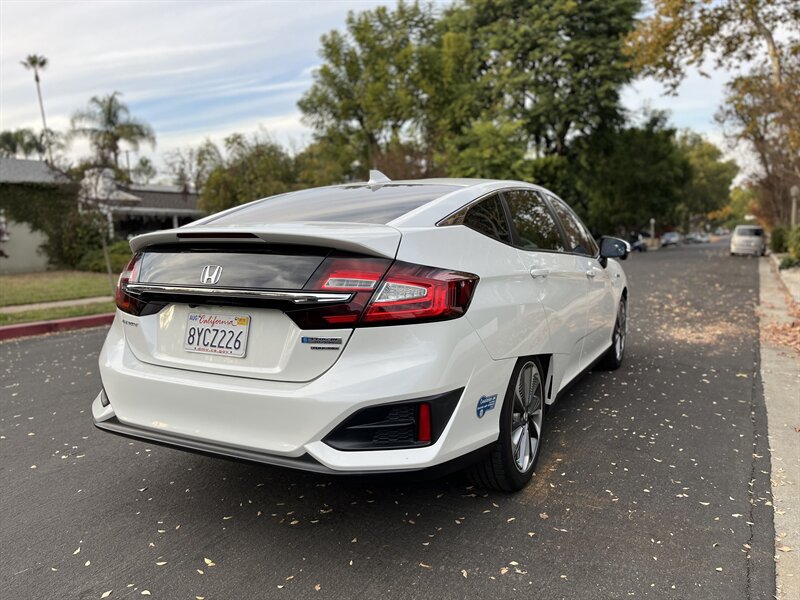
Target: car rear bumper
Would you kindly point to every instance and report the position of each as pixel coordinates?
(303, 463)
(748, 249)
(284, 423)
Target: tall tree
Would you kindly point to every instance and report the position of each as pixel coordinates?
(768, 120)
(761, 107)
(190, 167)
(255, 167)
(22, 142)
(677, 34)
(366, 91)
(36, 63)
(106, 122)
(144, 171)
(555, 66)
(709, 187)
(634, 174)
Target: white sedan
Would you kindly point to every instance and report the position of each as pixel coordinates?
(387, 326)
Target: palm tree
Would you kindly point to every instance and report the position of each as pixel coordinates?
(21, 141)
(105, 122)
(36, 63)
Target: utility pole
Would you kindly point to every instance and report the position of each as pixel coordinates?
(795, 192)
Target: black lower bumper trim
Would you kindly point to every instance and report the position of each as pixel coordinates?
(303, 463)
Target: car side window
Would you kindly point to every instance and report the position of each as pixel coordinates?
(535, 225)
(579, 240)
(489, 218)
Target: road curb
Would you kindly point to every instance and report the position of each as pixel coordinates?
(20, 330)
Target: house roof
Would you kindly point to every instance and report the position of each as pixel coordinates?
(163, 197)
(15, 170)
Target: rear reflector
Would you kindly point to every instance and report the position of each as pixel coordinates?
(408, 424)
(424, 423)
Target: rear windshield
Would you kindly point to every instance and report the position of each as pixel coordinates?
(749, 231)
(342, 204)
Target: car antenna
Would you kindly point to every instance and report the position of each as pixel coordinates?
(376, 177)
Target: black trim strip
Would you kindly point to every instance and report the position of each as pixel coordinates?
(302, 463)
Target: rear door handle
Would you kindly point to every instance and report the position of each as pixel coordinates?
(590, 273)
(540, 273)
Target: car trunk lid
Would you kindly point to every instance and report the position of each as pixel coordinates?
(238, 279)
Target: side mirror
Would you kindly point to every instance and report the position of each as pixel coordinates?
(611, 247)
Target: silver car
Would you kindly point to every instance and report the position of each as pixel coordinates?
(748, 239)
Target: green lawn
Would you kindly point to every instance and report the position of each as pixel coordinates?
(29, 316)
(29, 288)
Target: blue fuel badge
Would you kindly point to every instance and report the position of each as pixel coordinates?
(485, 403)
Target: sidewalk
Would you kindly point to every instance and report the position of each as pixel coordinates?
(790, 277)
(18, 308)
(780, 373)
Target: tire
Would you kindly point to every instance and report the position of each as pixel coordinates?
(612, 360)
(507, 469)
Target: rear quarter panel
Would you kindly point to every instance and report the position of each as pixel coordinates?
(510, 321)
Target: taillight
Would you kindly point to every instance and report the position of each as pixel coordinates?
(416, 293)
(125, 301)
(358, 275)
(383, 295)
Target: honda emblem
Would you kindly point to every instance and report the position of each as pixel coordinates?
(211, 274)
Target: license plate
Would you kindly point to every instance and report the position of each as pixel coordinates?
(225, 335)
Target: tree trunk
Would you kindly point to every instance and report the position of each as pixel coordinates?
(772, 48)
(45, 132)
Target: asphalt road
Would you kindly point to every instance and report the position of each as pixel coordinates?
(653, 482)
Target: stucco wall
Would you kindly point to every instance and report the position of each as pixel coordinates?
(23, 250)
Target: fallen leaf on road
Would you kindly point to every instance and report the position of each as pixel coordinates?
(145, 592)
(784, 548)
(318, 587)
(106, 594)
(210, 562)
(424, 566)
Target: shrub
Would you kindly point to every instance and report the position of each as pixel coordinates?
(793, 243)
(778, 240)
(788, 262)
(119, 253)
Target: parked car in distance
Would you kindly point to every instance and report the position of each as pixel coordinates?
(637, 242)
(748, 239)
(671, 238)
(386, 326)
(697, 237)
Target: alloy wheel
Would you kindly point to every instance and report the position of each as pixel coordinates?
(621, 330)
(526, 416)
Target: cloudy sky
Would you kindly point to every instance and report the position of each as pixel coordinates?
(206, 69)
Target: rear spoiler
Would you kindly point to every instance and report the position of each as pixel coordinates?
(361, 238)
